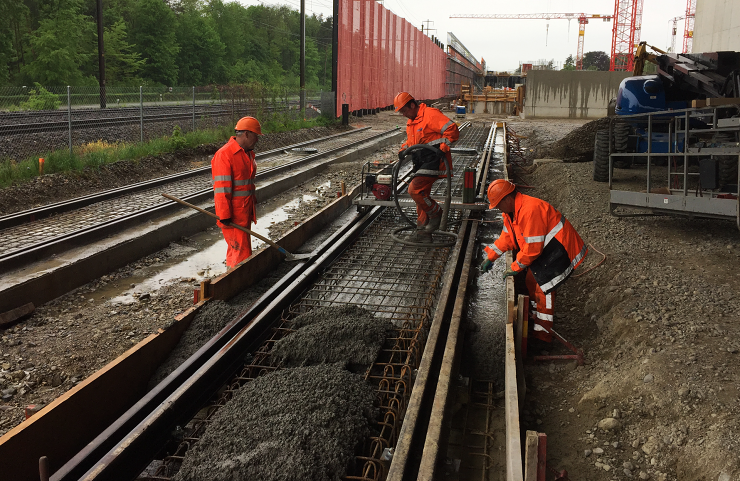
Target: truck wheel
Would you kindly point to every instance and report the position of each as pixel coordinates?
(601, 156)
(621, 139)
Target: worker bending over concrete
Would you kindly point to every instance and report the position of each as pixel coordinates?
(233, 170)
(548, 246)
(426, 125)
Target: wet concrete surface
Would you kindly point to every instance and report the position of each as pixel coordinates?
(346, 334)
(292, 424)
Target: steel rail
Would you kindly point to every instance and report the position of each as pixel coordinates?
(18, 218)
(123, 450)
(33, 252)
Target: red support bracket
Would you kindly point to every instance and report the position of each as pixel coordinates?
(578, 356)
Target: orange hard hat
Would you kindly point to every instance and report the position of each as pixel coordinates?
(499, 189)
(402, 99)
(249, 123)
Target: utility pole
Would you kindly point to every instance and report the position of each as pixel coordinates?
(303, 57)
(428, 29)
(101, 54)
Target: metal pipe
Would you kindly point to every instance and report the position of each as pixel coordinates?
(303, 58)
(101, 53)
(141, 113)
(649, 150)
(686, 154)
(193, 108)
(69, 116)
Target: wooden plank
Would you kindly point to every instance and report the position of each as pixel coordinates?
(511, 401)
(81, 413)
(530, 457)
(9, 318)
(722, 101)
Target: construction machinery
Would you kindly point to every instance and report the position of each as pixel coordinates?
(686, 117)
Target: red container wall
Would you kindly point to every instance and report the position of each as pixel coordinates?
(380, 54)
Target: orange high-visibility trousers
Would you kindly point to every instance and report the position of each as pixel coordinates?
(239, 243)
(419, 189)
(544, 309)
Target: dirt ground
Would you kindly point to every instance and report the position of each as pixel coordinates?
(659, 396)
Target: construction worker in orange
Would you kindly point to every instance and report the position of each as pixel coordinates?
(426, 125)
(548, 246)
(233, 170)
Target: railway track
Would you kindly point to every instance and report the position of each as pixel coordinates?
(83, 220)
(416, 288)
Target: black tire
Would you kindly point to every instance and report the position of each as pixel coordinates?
(621, 145)
(601, 156)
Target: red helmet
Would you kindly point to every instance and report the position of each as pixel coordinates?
(249, 123)
(499, 189)
(402, 99)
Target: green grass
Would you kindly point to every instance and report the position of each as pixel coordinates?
(95, 155)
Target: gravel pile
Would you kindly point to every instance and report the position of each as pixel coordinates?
(301, 423)
(347, 334)
(578, 145)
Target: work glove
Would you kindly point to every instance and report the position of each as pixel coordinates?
(486, 266)
(225, 221)
(401, 154)
(508, 273)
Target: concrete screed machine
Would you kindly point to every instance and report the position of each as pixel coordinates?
(684, 121)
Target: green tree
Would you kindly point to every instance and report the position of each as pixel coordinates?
(122, 64)
(570, 63)
(153, 32)
(596, 60)
(61, 45)
(201, 56)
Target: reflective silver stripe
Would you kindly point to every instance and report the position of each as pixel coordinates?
(562, 276)
(521, 265)
(430, 172)
(537, 327)
(554, 230)
(496, 250)
(505, 229)
(534, 239)
(222, 178)
(222, 190)
(443, 140)
(545, 317)
(243, 193)
(548, 301)
(244, 182)
(446, 126)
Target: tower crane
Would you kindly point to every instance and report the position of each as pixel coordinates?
(673, 32)
(582, 18)
(688, 31)
(625, 33)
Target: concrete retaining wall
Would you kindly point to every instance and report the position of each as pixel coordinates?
(716, 27)
(570, 94)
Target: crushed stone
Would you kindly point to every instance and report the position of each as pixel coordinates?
(346, 334)
(578, 145)
(299, 423)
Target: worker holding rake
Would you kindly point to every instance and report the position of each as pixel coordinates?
(233, 169)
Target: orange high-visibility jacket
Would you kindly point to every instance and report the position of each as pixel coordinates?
(432, 127)
(548, 244)
(233, 172)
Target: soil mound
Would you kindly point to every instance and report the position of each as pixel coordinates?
(301, 423)
(578, 145)
(347, 334)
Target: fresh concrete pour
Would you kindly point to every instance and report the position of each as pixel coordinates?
(346, 334)
(299, 422)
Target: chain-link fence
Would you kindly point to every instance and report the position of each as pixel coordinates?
(35, 119)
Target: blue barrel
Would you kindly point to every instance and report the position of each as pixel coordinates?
(460, 110)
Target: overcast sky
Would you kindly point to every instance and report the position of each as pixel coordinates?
(504, 44)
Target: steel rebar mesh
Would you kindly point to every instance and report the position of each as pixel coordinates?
(394, 281)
